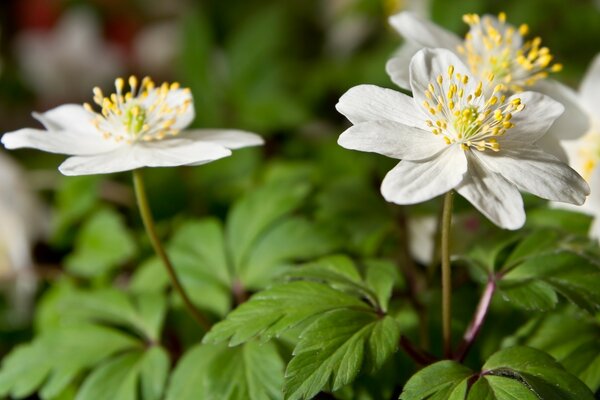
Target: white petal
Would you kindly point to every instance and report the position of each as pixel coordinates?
(589, 90)
(61, 142)
(372, 103)
(422, 32)
(551, 145)
(397, 67)
(532, 123)
(69, 117)
(174, 152)
(229, 138)
(491, 194)
(574, 122)
(163, 153)
(412, 182)
(392, 139)
(427, 65)
(121, 159)
(537, 172)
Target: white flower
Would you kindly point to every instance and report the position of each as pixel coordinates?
(65, 62)
(452, 135)
(584, 153)
(140, 128)
(494, 48)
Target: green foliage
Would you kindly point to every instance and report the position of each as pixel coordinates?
(104, 331)
(512, 373)
(342, 315)
(256, 245)
(103, 244)
(572, 337)
(75, 198)
(251, 371)
(533, 270)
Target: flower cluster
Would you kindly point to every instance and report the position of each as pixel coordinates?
(493, 47)
(461, 133)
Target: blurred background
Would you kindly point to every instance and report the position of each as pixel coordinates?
(269, 66)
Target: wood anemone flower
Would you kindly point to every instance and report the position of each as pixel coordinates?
(458, 134)
(143, 127)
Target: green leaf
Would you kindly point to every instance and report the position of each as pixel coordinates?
(571, 338)
(565, 220)
(436, 381)
(143, 313)
(197, 251)
(75, 198)
(271, 312)
(248, 372)
(529, 295)
(257, 211)
(573, 275)
(154, 372)
(103, 244)
(521, 373)
(341, 273)
(294, 239)
(539, 371)
(115, 380)
(500, 388)
(332, 350)
(54, 359)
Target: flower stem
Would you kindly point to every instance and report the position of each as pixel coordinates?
(478, 319)
(446, 274)
(148, 220)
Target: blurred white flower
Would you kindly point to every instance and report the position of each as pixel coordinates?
(138, 128)
(23, 223)
(497, 49)
(456, 134)
(584, 153)
(64, 63)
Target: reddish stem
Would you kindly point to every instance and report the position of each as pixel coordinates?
(478, 319)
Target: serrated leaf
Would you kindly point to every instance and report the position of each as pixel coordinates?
(573, 340)
(436, 381)
(154, 371)
(338, 271)
(341, 273)
(529, 295)
(381, 276)
(294, 239)
(258, 210)
(282, 307)
(573, 275)
(521, 373)
(103, 244)
(545, 377)
(115, 380)
(248, 372)
(332, 350)
(500, 388)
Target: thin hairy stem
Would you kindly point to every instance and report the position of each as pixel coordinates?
(446, 274)
(148, 220)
